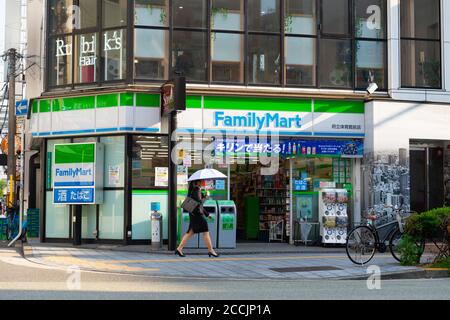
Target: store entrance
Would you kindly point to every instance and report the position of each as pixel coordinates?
(262, 200)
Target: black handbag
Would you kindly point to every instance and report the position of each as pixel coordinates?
(189, 204)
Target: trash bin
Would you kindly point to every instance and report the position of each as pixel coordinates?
(227, 224)
(193, 241)
(211, 207)
(157, 225)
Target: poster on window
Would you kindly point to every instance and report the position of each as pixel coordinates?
(161, 177)
(114, 175)
(182, 175)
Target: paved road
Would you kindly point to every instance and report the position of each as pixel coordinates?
(22, 279)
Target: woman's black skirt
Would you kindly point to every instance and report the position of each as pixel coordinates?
(198, 223)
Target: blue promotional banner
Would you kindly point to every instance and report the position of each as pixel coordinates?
(332, 148)
(342, 148)
(74, 195)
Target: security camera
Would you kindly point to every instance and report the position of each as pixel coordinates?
(372, 88)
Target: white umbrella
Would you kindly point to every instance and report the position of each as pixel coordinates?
(207, 174)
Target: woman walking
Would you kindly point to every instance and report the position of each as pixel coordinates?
(198, 223)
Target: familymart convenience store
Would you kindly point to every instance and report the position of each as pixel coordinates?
(134, 142)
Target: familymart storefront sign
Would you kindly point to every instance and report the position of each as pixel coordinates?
(286, 117)
(78, 173)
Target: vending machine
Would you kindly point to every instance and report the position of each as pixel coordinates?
(333, 215)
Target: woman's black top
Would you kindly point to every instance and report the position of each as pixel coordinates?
(198, 221)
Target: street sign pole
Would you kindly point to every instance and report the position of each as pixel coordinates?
(12, 128)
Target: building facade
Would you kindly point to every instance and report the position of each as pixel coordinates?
(265, 77)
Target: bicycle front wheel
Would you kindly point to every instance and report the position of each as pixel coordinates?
(395, 241)
(361, 245)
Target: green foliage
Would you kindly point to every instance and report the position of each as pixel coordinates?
(428, 224)
(410, 252)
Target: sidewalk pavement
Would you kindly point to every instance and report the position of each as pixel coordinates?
(269, 266)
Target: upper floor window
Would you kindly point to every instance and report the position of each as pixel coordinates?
(86, 47)
(421, 43)
(303, 43)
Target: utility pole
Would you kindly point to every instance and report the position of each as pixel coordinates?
(12, 54)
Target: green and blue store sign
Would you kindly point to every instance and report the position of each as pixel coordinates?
(141, 113)
(78, 173)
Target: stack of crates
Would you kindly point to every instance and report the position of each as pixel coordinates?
(33, 223)
(3, 226)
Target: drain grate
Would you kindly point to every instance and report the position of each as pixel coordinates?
(305, 269)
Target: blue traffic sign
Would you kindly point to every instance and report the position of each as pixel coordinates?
(22, 108)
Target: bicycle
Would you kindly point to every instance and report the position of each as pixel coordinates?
(364, 240)
(12, 228)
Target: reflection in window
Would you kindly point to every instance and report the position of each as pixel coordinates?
(151, 54)
(61, 13)
(226, 57)
(227, 15)
(114, 55)
(189, 13)
(149, 153)
(114, 13)
(420, 43)
(264, 15)
(60, 61)
(370, 19)
(335, 64)
(370, 63)
(86, 58)
(420, 19)
(300, 17)
(421, 64)
(264, 59)
(153, 13)
(300, 68)
(335, 17)
(189, 54)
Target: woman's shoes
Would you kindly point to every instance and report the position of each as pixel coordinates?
(215, 255)
(178, 253)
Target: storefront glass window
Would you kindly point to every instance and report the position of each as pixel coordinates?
(189, 13)
(300, 17)
(189, 52)
(335, 63)
(150, 162)
(114, 13)
(114, 174)
(370, 63)
(114, 55)
(152, 13)
(264, 60)
(88, 222)
(227, 57)
(264, 15)
(86, 58)
(111, 215)
(60, 61)
(151, 54)
(57, 219)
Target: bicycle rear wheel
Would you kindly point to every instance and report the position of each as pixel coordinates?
(361, 245)
(395, 241)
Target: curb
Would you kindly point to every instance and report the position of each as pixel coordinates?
(408, 275)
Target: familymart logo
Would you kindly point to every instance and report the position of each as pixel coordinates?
(258, 121)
